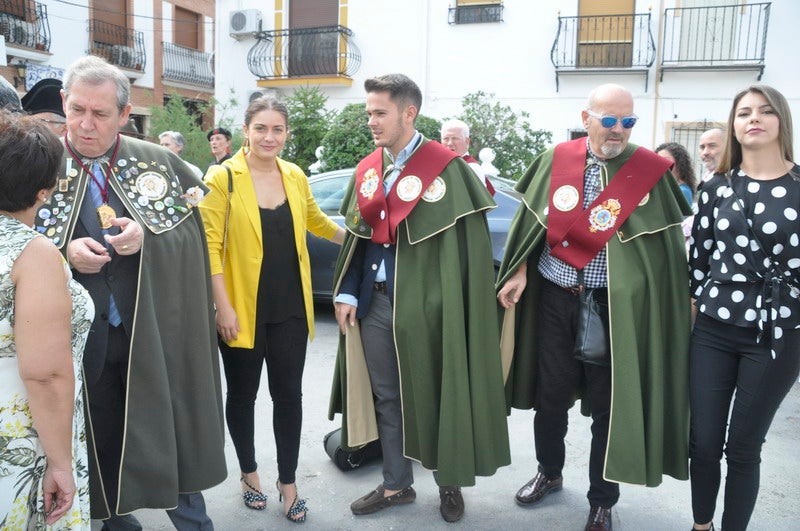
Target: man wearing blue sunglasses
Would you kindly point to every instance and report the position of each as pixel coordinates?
(599, 228)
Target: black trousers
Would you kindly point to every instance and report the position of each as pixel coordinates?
(283, 347)
(559, 375)
(724, 358)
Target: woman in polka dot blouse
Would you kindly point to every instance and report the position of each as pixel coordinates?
(745, 276)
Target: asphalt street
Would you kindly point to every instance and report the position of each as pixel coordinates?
(490, 504)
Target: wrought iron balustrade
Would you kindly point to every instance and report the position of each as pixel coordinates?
(25, 23)
(187, 65)
(117, 44)
(291, 53)
(715, 37)
(476, 13)
(604, 42)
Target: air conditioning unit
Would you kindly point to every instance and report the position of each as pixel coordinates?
(123, 56)
(245, 23)
(18, 31)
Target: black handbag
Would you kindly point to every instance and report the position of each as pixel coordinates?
(349, 460)
(591, 342)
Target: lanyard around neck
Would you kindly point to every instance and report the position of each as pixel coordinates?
(103, 187)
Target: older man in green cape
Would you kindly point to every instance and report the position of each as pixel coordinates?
(609, 210)
(419, 363)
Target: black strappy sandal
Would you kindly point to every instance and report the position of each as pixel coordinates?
(298, 506)
(252, 499)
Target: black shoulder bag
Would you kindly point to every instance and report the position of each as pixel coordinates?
(350, 460)
(591, 342)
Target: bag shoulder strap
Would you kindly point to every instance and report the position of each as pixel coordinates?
(227, 216)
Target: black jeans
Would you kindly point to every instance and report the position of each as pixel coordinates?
(283, 347)
(724, 358)
(559, 375)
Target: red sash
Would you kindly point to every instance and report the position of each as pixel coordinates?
(576, 235)
(383, 213)
(471, 160)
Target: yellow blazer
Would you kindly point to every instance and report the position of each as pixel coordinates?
(245, 242)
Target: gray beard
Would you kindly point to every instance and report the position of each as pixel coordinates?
(610, 152)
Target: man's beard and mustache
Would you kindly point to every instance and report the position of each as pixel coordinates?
(611, 151)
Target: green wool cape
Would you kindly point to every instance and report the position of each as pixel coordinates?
(446, 336)
(648, 292)
(174, 424)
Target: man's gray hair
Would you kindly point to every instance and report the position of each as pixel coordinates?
(96, 71)
(179, 139)
(455, 122)
(9, 98)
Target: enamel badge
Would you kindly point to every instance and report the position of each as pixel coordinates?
(370, 184)
(152, 185)
(566, 198)
(603, 216)
(409, 188)
(435, 191)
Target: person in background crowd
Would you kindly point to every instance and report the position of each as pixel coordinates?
(9, 97)
(682, 169)
(265, 311)
(710, 147)
(219, 139)
(455, 137)
(417, 235)
(44, 458)
(745, 276)
(175, 142)
(43, 101)
(600, 214)
(151, 359)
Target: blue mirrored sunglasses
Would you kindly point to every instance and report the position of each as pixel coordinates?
(610, 121)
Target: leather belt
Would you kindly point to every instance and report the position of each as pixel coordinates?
(379, 286)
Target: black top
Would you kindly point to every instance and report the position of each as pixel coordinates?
(280, 292)
(734, 280)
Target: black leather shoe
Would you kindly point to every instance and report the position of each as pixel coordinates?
(709, 529)
(599, 519)
(533, 491)
(452, 503)
(375, 500)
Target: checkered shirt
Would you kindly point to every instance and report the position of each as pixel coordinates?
(563, 274)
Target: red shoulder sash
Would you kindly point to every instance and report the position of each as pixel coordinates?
(576, 235)
(471, 160)
(384, 213)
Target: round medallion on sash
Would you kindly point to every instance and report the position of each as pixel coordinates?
(604, 216)
(645, 199)
(152, 185)
(409, 188)
(435, 191)
(370, 184)
(566, 198)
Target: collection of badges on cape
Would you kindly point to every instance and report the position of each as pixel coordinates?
(155, 196)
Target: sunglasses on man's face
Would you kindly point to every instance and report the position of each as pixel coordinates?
(610, 121)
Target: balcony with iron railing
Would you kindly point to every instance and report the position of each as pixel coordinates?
(187, 65)
(117, 44)
(604, 44)
(476, 13)
(24, 23)
(326, 54)
(730, 37)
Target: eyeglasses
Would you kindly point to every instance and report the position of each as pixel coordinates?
(610, 121)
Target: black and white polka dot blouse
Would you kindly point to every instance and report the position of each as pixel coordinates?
(733, 279)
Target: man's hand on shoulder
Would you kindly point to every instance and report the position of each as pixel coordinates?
(130, 238)
(87, 255)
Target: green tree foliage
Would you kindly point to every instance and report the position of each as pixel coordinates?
(176, 115)
(509, 134)
(348, 140)
(308, 123)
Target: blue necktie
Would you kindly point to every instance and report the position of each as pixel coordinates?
(114, 318)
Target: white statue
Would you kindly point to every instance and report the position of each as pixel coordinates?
(486, 156)
(318, 166)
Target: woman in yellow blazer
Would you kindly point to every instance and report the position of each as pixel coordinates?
(262, 290)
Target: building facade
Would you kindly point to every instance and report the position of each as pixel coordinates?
(162, 46)
(682, 59)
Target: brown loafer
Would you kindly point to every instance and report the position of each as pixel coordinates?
(599, 519)
(374, 501)
(537, 488)
(451, 503)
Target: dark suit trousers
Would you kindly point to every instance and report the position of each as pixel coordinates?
(558, 377)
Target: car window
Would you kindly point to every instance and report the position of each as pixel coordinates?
(329, 193)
